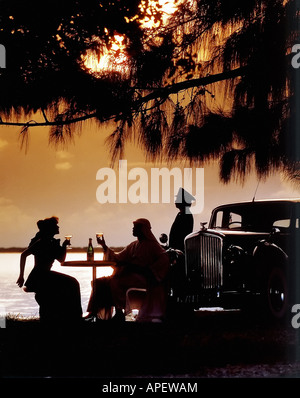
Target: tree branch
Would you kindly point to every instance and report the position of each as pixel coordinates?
(33, 123)
(202, 81)
(163, 92)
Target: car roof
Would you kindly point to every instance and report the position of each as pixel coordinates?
(286, 200)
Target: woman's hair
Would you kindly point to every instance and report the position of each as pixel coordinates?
(47, 225)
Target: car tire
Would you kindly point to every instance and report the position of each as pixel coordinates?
(179, 312)
(276, 293)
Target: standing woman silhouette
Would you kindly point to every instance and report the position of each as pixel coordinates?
(58, 295)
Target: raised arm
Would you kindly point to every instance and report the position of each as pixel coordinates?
(62, 252)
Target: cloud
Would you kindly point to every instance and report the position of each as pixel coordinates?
(3, 143)
(64, 163)
(4, 202)
(16, 223)
(64, 155)
(63, 166)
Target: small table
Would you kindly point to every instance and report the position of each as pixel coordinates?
(94, 264)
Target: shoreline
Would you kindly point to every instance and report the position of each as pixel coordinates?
(75, 249)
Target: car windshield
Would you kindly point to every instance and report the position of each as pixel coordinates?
(256, 216)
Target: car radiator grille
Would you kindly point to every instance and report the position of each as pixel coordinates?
(204, 260)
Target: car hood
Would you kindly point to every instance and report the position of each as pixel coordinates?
(225, 232)
(245, 239)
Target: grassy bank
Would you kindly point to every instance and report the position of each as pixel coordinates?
(212, 345)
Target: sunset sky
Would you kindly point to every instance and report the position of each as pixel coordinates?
(46, 181)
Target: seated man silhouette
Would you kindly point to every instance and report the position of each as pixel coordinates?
(142, 264)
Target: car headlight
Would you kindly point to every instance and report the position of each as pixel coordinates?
(234, 253)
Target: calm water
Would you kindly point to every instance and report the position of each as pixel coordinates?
(14, 300)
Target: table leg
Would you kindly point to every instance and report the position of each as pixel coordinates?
(94, 293)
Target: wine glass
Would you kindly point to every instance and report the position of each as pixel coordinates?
(68, 238)
(99, 235)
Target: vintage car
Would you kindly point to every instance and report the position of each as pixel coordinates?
(247, 255)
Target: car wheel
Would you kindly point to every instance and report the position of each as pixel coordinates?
(277, 300)
(178, 311)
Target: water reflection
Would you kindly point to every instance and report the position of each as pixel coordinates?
(14, 300)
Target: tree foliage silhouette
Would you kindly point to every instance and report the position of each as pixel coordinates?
(213, 82)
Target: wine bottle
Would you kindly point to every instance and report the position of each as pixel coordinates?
(90, 251)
